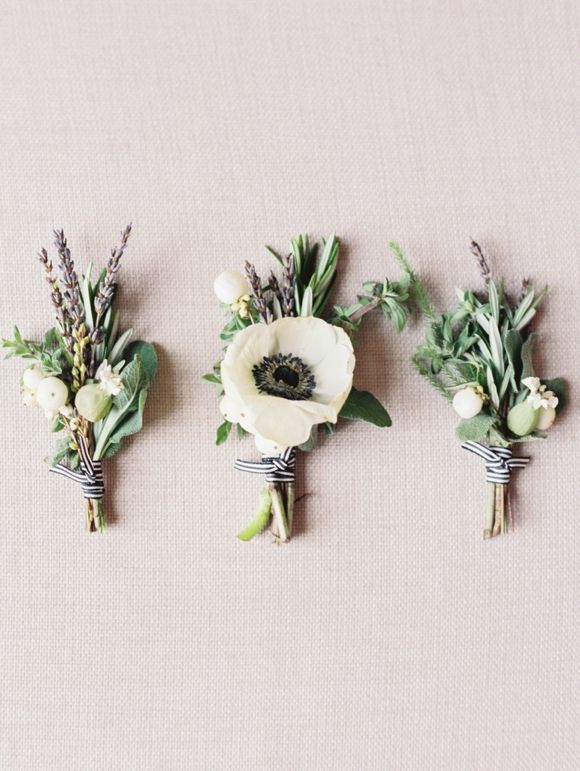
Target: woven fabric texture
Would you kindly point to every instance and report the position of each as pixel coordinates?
(387, 635)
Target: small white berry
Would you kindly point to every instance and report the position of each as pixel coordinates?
(546, 418)
(467, 403)
(31, 378)
(229, 286)
(51, 394)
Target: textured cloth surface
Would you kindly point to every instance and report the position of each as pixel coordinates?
(387, 634)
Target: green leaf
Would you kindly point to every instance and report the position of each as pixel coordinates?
(558, 386)
(526, 354)
(223, 432)
(116, 353)
(362, 405)
(260, 519)
(475, 428)
(496, 346)
(211, 378)
(310, 443)
(147, 353)
(493, 300)
(135, 380)
(132, 423)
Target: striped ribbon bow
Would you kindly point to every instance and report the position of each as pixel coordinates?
(277, 468)
(498, 461)
(90, 474)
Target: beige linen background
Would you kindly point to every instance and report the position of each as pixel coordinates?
(387, 635)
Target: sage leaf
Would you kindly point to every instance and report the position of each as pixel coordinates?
(362, 405)
(475, 428)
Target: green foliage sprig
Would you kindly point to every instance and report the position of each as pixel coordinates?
(484, 342)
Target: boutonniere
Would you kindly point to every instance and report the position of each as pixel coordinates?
(288, 365)
(85, 374)
(478, 355)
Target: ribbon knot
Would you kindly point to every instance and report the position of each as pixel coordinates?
(277, 468)
(89, 475)
(499, 461)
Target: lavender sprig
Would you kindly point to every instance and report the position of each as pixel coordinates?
(70, 280)
(287, 289)
(62, 316)
(255, 283)
(106, 293)
(81, 345)
(274, 286)
(484, 267)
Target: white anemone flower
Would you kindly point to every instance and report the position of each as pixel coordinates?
(109, 381)
(283, 378)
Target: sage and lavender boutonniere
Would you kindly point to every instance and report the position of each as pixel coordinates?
(478, 355)
(288, 366)
(86, 375)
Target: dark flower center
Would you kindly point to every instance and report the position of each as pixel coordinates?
(284, 375)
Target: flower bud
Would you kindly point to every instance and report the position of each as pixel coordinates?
(229, 286)
(51, 394)
(467, 403)
(31, 378)
(522, 419)
(546, 418)
(92, 402)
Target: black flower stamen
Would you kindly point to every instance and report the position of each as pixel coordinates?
(284, 375)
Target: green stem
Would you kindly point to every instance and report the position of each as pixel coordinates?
(99, 515)
(489, 514)
(279, 513)
(290, 499)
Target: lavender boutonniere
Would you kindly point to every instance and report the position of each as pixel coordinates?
(90, 380)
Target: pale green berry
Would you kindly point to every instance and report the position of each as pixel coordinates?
(522, 419)
(92, 402)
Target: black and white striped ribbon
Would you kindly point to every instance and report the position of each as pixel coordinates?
(90, 474)
(277, 468)
(498, 461)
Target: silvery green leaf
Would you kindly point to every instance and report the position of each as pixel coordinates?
(484, 350)
(86, 295)
(496, 346)
(119, 347)
(277, 308)
(493, 300)
(526, 354)
(522, 308)
(507, 378)
(483, 321)
(460, 294)
(526, 318)
(306, 305)
(476, 428)
(491, 387)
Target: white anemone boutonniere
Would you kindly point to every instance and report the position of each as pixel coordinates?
(479, 356)
(88, 377)
(287, 371)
